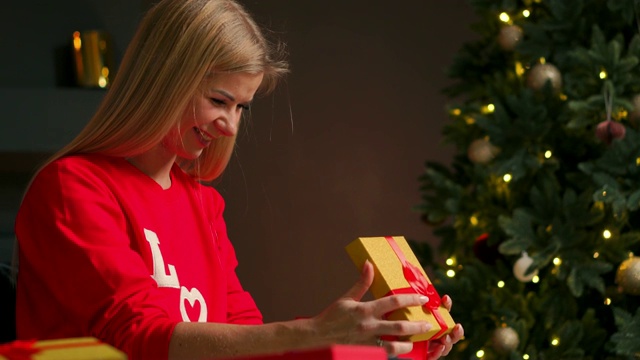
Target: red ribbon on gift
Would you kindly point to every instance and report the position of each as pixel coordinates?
(18, 350)
(25, 349)
(418, 284)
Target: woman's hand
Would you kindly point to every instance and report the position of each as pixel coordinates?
(442, 346)
(350, 321)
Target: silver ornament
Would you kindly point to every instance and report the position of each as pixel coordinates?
(628, 276)
(509, 37)
(505, 339)
(541, 73)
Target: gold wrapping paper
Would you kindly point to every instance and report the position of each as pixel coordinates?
(86, 348)
(389, 276)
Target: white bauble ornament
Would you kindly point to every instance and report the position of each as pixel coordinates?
(540, 73)
(520, 268)
(481, 151)
(504, 340)
(509, 37)
(628, 276)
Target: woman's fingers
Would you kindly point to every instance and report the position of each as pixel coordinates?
(388, 304)
(402, 327)
(363, 284)
(395, 348)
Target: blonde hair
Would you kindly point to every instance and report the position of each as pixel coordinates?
(174, 49)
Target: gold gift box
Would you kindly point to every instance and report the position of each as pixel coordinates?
(85, 348)
(391, 274)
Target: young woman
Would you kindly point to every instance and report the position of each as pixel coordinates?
(119, 240)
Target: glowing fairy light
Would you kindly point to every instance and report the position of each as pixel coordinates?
(542, 60)
(488, 109)
(451, 273)
(555, 341)
(535, 279)
(519, 68)
(450, 261)
(548, 154)
(606, 234)
(480, 354)
(473, 220)
(456, 112)
(504, 17)
(557, 261)
(607, 301)
(506, 177)
(525, 356)
(526, 13)
(603, 74)
(500, 284)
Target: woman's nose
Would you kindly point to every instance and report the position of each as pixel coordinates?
(228, 126)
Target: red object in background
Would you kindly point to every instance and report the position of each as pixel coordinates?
(335, 352)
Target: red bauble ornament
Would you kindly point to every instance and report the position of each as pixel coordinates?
(483, 251)
(609, 130)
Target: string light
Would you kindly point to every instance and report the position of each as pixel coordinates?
(451, 261)
(563, 97)
(489, 108)
(504, 17)
(500, 284)
(456, 112)
(469, 120)
(606, 234)
(548, 154)
(525, 356)
(519, 68)
(596, 255)
(603, 74)
(535, 279)
(557, 261)
(473, 220)
(607, 301)
(526, 13)
(638, 161)
(506, 177)
(542, 60)
(451, 273)
(480, 354)
(555, 341)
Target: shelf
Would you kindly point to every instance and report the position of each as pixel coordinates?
(42, 120)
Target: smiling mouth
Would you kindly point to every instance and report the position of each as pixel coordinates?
(204, 136)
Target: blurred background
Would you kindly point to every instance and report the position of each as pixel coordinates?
(332, 155)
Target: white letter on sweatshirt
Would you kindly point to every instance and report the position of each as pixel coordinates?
(159, 275)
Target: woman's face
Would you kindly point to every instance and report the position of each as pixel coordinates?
(214, 113)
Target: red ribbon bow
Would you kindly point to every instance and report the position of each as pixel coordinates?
(418, 285)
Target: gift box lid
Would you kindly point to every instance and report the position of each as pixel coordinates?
(397, 271)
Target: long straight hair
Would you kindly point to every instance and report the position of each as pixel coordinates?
(178, 44)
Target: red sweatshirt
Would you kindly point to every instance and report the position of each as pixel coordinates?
(106, 252)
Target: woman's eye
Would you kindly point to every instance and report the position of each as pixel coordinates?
(217, 101)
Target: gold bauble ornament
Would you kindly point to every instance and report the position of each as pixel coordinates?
(481, 151)
(505, 340)
(541, 73)
(634, 115)
(628, 276)
(509, 37)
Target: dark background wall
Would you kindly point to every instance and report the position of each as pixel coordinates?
(332, 155)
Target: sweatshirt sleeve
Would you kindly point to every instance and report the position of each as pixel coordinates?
(76, 261)
(242, 308)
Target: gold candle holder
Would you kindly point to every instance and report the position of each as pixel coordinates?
(93, 58)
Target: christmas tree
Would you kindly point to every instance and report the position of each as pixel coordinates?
(538, 215)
